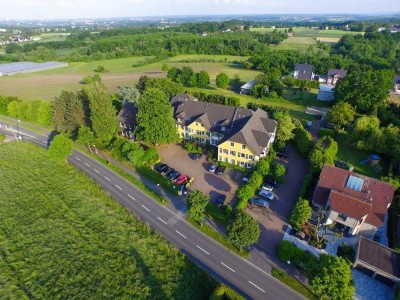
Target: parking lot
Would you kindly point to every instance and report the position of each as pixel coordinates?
(209, 183)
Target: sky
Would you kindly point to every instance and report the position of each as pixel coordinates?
(66, 9)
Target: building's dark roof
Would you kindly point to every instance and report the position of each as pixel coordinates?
(378, 256)
(375, 194)
(128, 114)
(339, 72)
(237, 124)
(304, 71)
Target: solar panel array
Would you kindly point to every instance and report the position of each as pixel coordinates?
(355, 183)
(27, 67)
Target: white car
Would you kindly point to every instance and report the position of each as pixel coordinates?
(267, 187)
(266, 194)
(212, 168)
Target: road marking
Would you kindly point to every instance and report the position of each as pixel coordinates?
(118, 187)
(257, 287)
(131, 197)
(228, 267)
(162, 220)
(77, 158)
(107, 178)
(180, 234)
(97, 171)
(203, 250)
(87, 164)
(145, 208)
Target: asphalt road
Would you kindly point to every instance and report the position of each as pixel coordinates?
(221, 263)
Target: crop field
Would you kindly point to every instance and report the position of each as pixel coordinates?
(62, 237)
(309, 32)
(46, 85)
(295, 43)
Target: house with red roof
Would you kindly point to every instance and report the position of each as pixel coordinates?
(355, 203)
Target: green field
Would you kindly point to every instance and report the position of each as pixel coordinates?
(47, 84)
(62, 237)
(310, 32)
(295, 43)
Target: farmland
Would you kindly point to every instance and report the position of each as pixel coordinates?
(46, 85)
(62, 237)
(309, 32)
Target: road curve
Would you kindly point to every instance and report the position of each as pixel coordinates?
(221, 263)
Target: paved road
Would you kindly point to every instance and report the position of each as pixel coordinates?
(221, 263)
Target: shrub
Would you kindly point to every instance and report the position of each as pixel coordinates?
(100, 69)
(192, 147)
(286, 251)
(262, 167)
(302, 141)
(255, 180)
(222, 292)
(301, 213)
(293, 283)
(2, 137)
(326, 132)
(150, 156)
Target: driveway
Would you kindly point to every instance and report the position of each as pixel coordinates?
(273, 222)
(209, 183)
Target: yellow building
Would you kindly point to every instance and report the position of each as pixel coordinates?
(241, 135)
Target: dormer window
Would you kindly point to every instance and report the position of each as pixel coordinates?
(232, 144)
(244, 147)
(342, 217)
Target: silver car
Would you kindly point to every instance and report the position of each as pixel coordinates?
(259, 202)
(212, 168)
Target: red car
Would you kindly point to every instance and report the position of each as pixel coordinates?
(181, 179)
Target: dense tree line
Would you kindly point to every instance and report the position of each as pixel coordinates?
(188, 77)
(214, 98)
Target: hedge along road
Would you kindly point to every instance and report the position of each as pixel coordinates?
(221, 263)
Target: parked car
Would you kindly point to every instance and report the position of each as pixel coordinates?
(272, 182)
(259, 202)
(159, 167)
(220, 200)
(174, 175)
(181, 179)
(246, 177)
(282, 154)
(266, 194)
(197, 156)
(212, 168)
(167, 171)
(220, 170)
(267, 187)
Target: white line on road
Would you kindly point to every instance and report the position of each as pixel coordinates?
(87, 164)
(203, 250)
(97, 171)
(118, 187)
(131, 197)
(77, 158)
(257, 287)
(162, 220)
(107, 178)
(227, 267)
(145, 208)
(180, 234)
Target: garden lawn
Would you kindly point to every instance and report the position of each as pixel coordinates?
(62, 237)
(354, 156)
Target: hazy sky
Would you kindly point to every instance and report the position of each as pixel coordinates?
(51, 9)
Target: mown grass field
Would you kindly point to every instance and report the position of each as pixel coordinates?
(62, 237)
(309, 32)
(47, 84)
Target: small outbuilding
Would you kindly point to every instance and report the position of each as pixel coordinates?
(246, 88)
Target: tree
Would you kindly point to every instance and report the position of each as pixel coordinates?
(4, 101)
(85, 137)
(222, 80)
(341, 114)
(302, 141)
(333, 278)
(324, 153)
(164, 68)
(12, 48)
(45, 114)
(102, 113)
(279, 172)
(285, 126)
(60, 147)
(68, 112)
(12, 109)
(365, 90)
(243, 230)
(156, 124)
(301, 213)
(196, 202)
(128, 94)
(245, 192)
(255, 180)
(262, 167)
(100, 69)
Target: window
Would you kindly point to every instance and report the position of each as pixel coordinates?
(233, 153)
(208, 133)
(244, 147)
(243, 155)
(232, 144)
(342, 217)
(220, 150)
(197, 124)
(232, 161)
(225, 159)
(198, 132)
(242, 164)
(249, 166)
(250, 156)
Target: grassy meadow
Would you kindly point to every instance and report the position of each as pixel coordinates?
(62, 237)
(45, 85)
(309, 32)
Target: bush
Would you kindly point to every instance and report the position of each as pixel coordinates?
(219, 99)
(306, 184)
(287, 251)
(150, 156)
(255, 180)
(302, 141)
(347, 252)
(293, 283)
(262, 167)
(222, 292)
(2, 137)
(326, 132)
(192, 147)
(278, 172)
(100, 69)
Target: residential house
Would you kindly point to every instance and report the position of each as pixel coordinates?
(378, 261)
(334, 75)
(354, 203)
(326, 90)
(247, 87)
(242, 136)
(396, 85)
(304, 72)
(127, 119)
